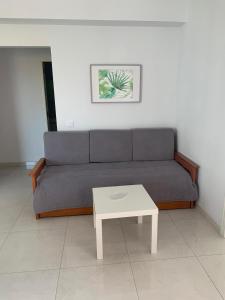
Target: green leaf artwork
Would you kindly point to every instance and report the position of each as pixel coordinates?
(115, 83)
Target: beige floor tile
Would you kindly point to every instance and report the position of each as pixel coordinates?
(163, 217)
(170, 242)
(10, 196)
(12, 193)
(84, 254)
(6, 171)
(208, 246)
(15, 200)
(215, 267)
(201, 237)
(37, 245)
(137, 243)
(39, 285)
(80, 243)
(173, 279)
(8, 216)
(3, 236)
(31, 250)
(196, 228)
(27, 221)
(185, 214)
(81, 228)
(100, 283)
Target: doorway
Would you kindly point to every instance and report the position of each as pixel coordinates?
(49, 96)
(23, 119)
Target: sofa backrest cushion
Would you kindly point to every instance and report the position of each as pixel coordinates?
(110, 145)
(153, 144)
(68, 147)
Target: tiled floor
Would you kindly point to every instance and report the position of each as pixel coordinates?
(56, 258)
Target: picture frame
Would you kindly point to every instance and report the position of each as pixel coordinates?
(115, 83)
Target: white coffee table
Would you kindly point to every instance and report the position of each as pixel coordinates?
(121, 202)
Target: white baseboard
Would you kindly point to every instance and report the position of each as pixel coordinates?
(11, 164)
(28, 164)
(207, 216)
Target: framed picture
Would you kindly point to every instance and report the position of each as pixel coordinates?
(115, 83)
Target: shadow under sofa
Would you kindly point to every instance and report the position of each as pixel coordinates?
(77, 161)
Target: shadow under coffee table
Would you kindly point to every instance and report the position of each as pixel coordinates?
(122, 202)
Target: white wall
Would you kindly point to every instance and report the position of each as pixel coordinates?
(22, 104)
(136, 10)
(200, 101)
(21, 35)
(74, 48)
(154, 47)
(199, 110)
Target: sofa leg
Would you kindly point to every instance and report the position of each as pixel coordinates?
(192, 204)
(37, 216)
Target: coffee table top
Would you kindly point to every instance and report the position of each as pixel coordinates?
(119, 201)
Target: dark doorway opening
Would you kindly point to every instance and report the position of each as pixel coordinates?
(49, 96)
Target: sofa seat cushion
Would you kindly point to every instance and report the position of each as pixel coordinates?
(70, 186)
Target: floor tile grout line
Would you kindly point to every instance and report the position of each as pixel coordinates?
(94, 266)
(29, 271)
(184, 239)
(81, 266)
(159, 259)
(124, 262)
(4, 240)
(60, 266)
(209, 277)
(131, 269)
(38, 230)
(215, 254)
(125, 240)
(197, 259)
(10, 230)
(14, 223)
(89, 266)
(129, 261)
(132, 273)
(181, 234)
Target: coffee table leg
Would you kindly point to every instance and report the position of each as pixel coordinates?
(154, 233)
(98, 224)
(94, 216)
(140, 220)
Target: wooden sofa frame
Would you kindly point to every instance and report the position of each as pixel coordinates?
(185, 162)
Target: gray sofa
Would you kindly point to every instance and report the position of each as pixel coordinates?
(77, 161)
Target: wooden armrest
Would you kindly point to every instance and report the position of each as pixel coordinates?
(187, 164)
(35, 172)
